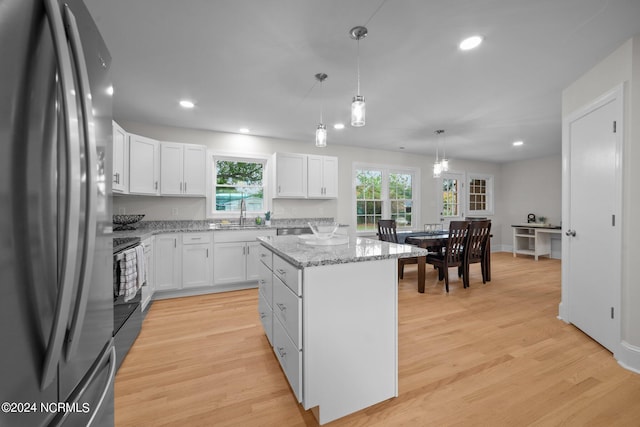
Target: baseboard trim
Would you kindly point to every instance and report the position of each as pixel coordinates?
(629, 357)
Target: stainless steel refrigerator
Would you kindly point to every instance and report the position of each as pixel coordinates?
(57, 360)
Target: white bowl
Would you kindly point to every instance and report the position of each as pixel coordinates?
(323, 230)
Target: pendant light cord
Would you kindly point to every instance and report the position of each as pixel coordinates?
(358, 62)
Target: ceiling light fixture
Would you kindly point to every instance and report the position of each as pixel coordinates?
(470, 43)
(358, 108)
(517, 143)
(338, 126)
(244, 130)
(321, 130)
(186, 104)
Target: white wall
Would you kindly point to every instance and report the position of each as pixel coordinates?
(622, 66)
(531, 186)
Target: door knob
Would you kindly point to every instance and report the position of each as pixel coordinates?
(570, 233)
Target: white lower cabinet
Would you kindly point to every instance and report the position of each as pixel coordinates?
(236, 255)
(149, 288)
(289, 356)
(168, 261)
(197, 265)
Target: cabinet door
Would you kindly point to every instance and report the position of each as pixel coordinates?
(322, 177)
(291, 175)
(144, 165)
(195, 161)
(168, 262)
(253, 261)
(330, 176)
(120, 160)
(196, 265)
(171, 169)
(229, 263)
(315, 185)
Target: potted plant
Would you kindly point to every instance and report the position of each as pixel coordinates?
(267, 218)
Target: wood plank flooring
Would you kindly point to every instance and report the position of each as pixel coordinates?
(489, 355)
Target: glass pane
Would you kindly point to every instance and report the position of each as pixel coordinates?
(238, 173)
(228, 199)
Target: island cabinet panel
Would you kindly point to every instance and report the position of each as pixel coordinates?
(334, 331)
(350, 336)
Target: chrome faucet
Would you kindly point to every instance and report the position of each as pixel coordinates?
(243, 212)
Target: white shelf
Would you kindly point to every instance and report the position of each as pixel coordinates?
(534, 240)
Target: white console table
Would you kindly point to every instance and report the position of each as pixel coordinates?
(532, 239)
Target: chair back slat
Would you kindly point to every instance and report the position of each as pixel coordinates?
(478, 233)
(387, 230)
(456, 242)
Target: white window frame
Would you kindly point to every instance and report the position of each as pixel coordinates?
(212, 157)
(384, 193)
(489, 194)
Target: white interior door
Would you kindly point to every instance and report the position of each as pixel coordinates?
(592, 235)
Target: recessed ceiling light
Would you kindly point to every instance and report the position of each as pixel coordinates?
(187, 104)
(470, 43)
(517, 143)
(338, 126)
(244, 130)
(110, 90)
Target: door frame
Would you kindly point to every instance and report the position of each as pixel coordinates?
(615, 95)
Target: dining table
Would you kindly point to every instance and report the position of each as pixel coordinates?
(435, 241)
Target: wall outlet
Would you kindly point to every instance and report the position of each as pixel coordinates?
(174, 211)
(122, 210)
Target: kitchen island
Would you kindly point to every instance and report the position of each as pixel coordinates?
(330, 313)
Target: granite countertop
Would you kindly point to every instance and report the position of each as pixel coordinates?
(147, 229)
(358, 249)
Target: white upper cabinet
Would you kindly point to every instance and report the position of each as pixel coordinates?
(290, 175)
(182, 169)
(322, 177)
(120, 159)
(195, 169)
(303, 176)
(144, 165)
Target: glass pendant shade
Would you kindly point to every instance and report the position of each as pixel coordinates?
(358, 111)
(444, 163)
(437, 169)
(321, 135)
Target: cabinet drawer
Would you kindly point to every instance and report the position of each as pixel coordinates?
(265, 283)
(289, 275)
(289, 357)
(266, 256)
(266, 317)
(195, 238)
(287, 307)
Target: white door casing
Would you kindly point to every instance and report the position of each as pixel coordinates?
(592, 206)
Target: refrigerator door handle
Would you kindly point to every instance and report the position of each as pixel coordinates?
(74, 400)
(89, 237)
(73, 183)
(105, 391)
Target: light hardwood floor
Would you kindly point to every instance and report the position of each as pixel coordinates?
(490, 355)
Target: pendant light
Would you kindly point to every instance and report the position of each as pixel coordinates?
(321, 130)
(358, 108)
(437, 165)
(444, 162)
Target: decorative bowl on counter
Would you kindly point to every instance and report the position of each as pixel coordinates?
(324, 230)
(123, 222)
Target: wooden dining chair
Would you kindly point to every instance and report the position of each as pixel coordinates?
(477, 247)
(387, 232)
(453, 255)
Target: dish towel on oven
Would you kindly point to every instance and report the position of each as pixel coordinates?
(141, 266)
(128, 280)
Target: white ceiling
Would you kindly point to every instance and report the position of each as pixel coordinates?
(251, 63)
